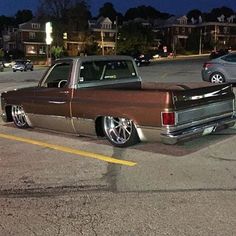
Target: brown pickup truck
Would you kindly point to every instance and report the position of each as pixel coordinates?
(104, 96)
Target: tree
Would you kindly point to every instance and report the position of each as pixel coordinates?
(6, 21)
(1, 53)
(195, 13)
(193, 41)
(217, 12)
(55, 8)
(78, 16)
(145, 12)
(134, 38)
(57, 51)
(66, 15)
(107, 10)
(23, 16)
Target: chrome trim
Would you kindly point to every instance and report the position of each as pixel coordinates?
(57, 123)
(56, 102)
(147, 133)
(84, 126)
(205, 111)
(107, 82)
(195, 123)
(196, 131)
(28, 120)
(206, 95)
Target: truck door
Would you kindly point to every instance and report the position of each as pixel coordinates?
(51, 101)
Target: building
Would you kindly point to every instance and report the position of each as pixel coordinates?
(101, 32)
(31, 38)
(218, 34)
(175, 33)
(104, 32)
(9, 38)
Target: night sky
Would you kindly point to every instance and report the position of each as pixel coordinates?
(176, 7)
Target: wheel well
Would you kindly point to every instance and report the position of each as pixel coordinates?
(8, 113)
(99, 127)
(217, 72)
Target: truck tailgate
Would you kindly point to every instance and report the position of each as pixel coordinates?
(192, 95)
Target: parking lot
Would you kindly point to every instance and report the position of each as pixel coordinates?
(56, 184)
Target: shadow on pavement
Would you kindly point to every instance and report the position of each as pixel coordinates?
(180, 149)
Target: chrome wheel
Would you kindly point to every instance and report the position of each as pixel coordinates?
(19, 116)
(120, 132)
(217, 78)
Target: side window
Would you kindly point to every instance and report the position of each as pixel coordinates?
(106, 70)
(58, 76)
(90, 71)
(230, 58)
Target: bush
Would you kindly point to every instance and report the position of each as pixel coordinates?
(57, 51)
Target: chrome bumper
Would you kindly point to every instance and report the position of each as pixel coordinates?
(197, 131)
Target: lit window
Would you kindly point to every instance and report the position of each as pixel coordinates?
(30, 49)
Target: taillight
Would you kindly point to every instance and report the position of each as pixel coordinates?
(207, 65)
(168, 118)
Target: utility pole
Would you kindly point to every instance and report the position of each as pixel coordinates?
(102, 43)
(116, 34)
(215, 39)
(200, 42)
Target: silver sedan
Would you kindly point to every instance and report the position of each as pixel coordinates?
(220, 70)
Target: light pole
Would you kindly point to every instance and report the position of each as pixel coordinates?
(215, 39)
(49, 40)
(200, 43)
(116, 34)
(102, 43)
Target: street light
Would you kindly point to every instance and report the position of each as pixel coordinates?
(49, 39)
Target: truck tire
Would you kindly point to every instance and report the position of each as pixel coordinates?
(19, 117)
(121, 132)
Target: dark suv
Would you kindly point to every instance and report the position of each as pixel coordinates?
(22, 65)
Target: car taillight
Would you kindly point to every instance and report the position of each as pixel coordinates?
(207, 65)
(168, 118)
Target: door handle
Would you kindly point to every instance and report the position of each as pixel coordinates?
(65, 92)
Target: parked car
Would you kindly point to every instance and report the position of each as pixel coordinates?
(220, 70)
(105, 97)
(1, 66)
(142, 59)
(7, 64)
(22, 65)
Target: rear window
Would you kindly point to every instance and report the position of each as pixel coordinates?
(20, 62)
(229, 58)
(106, 70)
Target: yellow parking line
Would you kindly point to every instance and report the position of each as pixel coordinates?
(69, 150)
